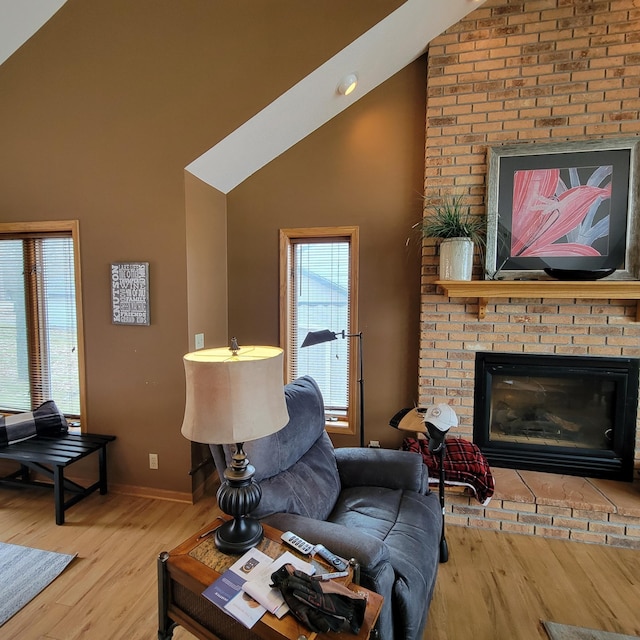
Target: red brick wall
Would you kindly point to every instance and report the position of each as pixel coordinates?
(528, 72)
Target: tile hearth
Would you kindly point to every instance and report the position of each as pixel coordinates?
(557, 506)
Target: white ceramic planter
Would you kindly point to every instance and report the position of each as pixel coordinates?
(456, 259)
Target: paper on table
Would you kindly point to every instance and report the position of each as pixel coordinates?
(258, 585)
(226, 592)
(245, 609)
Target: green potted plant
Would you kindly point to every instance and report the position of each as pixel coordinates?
(458, 230)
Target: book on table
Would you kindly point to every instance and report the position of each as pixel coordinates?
(244, 590)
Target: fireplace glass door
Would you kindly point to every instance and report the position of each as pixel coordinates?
(555, 411)
(558, 414)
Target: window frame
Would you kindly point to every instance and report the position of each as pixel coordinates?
(18, 230)
(288, 238)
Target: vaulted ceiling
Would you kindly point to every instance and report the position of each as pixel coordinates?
(19, 20)
(375, 56)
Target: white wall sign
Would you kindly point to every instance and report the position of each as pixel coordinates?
(130, 293)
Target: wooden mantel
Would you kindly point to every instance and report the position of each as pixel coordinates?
(591, 289)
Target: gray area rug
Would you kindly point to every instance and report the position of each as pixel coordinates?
(567, 632)
(24, 573)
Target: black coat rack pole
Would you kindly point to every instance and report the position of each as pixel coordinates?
(444, 547)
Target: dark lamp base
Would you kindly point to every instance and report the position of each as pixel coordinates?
(238, 535)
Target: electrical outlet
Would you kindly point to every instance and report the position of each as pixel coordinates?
(153, 461)
(199, 340)
(374, 444)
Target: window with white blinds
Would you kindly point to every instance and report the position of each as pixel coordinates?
(38, 321)
(319, 284)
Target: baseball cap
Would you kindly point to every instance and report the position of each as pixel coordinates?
(441, 416)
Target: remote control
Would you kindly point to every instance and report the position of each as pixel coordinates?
(300, 545)
(331, 558)
(306, 548)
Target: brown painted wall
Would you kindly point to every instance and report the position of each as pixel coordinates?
(364, 168)
(99, 114)
(206, 233)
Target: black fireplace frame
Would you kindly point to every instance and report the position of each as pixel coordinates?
(616, 463)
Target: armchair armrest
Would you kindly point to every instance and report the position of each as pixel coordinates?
(388, 468)
(345, 542)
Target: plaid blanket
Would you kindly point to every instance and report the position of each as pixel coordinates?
(463, 464)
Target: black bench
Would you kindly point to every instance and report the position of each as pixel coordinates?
(48, 455)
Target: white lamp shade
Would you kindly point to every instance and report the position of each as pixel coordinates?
(234, 398)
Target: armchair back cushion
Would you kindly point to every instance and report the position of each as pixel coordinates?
(296, 466)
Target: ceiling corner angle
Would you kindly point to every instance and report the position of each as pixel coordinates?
(313, 101)
(20, 19)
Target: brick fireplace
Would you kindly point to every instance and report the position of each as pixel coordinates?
(527, 72)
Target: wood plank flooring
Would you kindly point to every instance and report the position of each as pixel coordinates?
(110, 589)
(499, 586)
(496, 586)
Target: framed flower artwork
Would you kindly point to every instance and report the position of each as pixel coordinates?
(569, 206)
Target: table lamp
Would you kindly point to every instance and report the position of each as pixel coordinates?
(234, 395)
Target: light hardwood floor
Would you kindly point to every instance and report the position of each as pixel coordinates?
(499, 586)
(495, 586)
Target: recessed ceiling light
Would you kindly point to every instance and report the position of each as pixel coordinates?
(348, 84)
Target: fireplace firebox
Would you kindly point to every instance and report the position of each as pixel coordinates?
(573, 415)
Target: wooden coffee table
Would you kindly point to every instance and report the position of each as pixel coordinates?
(185, 572)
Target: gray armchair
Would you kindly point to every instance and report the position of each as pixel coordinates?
(373, 505)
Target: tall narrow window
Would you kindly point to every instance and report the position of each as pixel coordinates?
(39, 338)
(319, 278)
